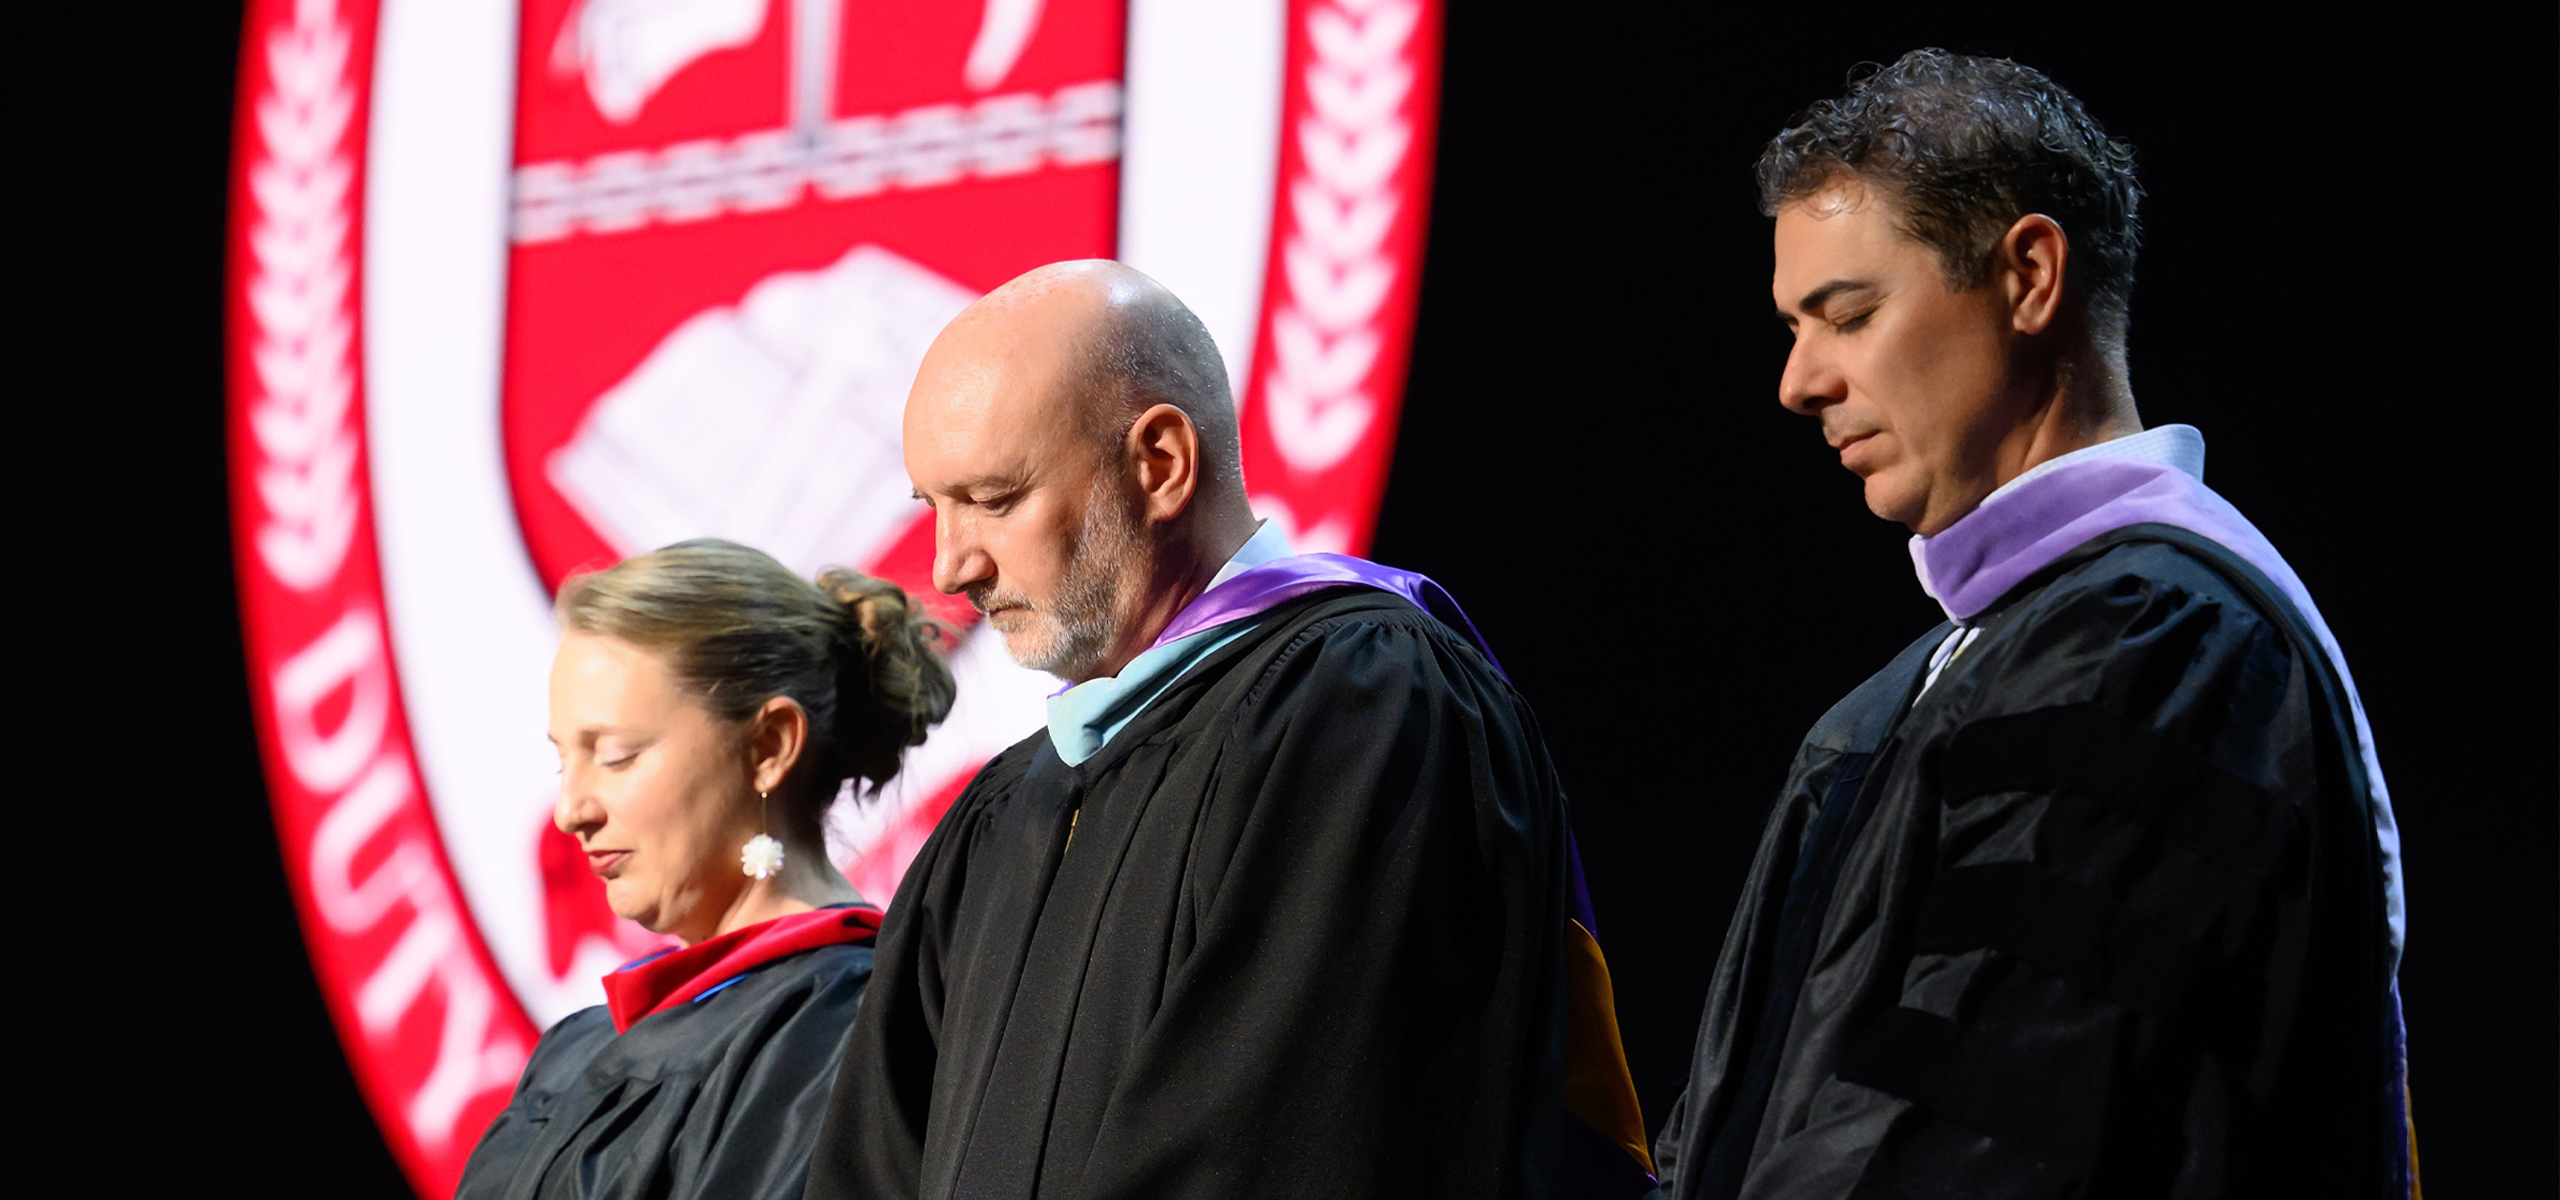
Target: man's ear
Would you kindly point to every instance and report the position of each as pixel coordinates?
(2031, 263)
(1164, 449)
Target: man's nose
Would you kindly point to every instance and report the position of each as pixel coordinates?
(957, 560)
(1809, 380)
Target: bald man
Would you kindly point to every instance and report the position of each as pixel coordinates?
(1282, 901)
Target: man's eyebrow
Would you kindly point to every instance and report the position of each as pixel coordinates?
(1814, 300)
(973, 486)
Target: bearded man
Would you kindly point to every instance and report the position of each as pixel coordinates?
(1283, 902)
(2094, 890)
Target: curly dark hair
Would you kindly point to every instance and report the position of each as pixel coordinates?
(1965, 146)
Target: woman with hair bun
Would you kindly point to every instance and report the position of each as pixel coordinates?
(708, 706)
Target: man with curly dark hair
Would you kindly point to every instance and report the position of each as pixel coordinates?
(2095, 889)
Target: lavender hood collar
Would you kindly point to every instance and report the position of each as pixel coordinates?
(1260, 589)
(1261, 576)
(2038, 519)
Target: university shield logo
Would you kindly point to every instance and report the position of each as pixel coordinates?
(518, 290)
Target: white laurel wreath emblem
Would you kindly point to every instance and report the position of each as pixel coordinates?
(1325, 337)
(298, 301)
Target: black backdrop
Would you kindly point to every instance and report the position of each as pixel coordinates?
(2347, 283)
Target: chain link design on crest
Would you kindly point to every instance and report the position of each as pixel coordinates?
(844, 159)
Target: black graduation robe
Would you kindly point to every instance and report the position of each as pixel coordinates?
(1296, 931)
(717, 1100)
(2099, 915)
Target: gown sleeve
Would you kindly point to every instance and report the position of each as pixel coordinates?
(2115, 903)
(1365, 990)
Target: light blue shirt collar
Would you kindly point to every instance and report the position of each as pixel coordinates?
(1084, 718)
(1267, 544)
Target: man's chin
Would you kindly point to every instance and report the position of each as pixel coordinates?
(1024, 649)
(1050, 651)
(1903, 506)
(1030, 646)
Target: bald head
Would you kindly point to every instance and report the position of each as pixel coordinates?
(1094, 343)
(1074, 418)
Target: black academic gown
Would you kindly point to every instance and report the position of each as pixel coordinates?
(717, 1099)
(1307, 941)
(2101, 914)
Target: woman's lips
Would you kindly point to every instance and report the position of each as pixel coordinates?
(607, 863)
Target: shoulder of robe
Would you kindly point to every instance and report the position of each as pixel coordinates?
(2130, 592)
(2126, 556)
(2153, 634)
(814, 992)
(566, 1048)
(939, 866)
(586, 1024)
(1350, 606)
(831, 968)
(823, 985)
(996, 781)
(1006, 769)
(2125, 561)
(1378, 629)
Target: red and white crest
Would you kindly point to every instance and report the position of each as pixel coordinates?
(520, 290)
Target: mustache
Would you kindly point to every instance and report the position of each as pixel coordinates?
(1836, 432)
(985, 597)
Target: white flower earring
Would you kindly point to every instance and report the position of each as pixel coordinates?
(763, 856)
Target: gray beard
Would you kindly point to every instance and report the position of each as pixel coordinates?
(1082, 621)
